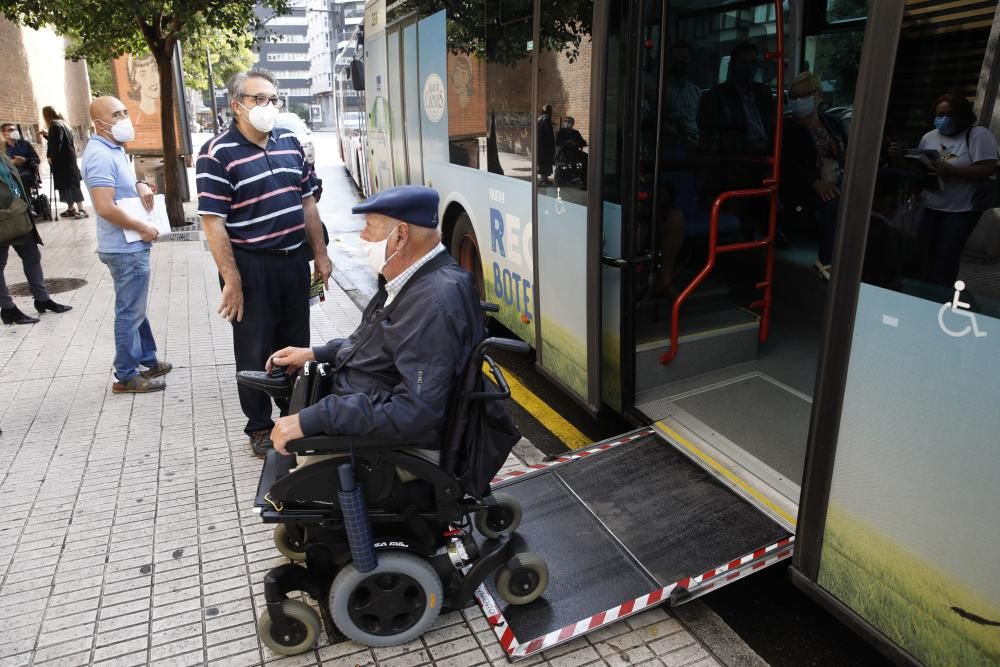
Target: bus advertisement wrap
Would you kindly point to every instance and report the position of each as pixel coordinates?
(911, 534)
(562, 227)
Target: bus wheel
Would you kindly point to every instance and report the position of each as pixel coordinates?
(465, 250)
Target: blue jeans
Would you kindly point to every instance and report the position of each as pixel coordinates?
(134, 342)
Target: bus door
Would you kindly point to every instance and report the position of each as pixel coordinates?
(694, 104)
(567, 206)
(898, 527)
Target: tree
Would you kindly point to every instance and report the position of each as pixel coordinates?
(101, 82)
(300, 110)
(499, 32)
(104, 30)
(228, 58)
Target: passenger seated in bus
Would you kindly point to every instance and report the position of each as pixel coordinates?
(736, 121)
(393, 375)
(812, 161)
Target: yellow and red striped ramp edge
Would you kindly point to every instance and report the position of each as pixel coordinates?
(693, 586)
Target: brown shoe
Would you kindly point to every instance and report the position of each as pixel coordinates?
(260, 443)
(161, 368)
(138, 385)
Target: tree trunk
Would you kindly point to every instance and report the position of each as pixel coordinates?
(171, 169)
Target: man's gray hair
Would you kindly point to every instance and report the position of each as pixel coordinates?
(235, 85)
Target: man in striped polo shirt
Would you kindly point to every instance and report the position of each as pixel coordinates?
(255, 199)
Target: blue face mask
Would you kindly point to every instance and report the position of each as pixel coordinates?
(945, 125)
(802, 107)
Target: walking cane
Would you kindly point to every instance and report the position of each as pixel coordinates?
(53, 205)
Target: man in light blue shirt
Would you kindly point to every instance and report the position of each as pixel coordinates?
(109, 177)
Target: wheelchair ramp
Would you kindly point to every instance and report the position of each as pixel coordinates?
(624, 525)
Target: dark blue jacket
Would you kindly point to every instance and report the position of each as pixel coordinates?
(393, 376)
(29, 169)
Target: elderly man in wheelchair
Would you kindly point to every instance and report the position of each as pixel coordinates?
(396, 432)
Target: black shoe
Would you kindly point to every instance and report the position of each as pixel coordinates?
(260, 443)
(15, 316)
(49, 304)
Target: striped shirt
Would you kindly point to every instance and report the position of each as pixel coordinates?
(257, 192)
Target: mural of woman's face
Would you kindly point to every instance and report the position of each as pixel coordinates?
(146, 82)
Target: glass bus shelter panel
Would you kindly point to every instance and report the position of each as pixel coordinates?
(910, 534)
(562, 136)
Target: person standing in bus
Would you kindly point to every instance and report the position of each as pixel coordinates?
(812, 159)
(968, 156)
(682, 96)
(546, 145)
(736, 122)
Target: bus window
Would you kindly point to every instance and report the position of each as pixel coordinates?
(507, 68)
(909, 537)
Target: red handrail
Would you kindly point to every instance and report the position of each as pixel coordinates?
(770, 190)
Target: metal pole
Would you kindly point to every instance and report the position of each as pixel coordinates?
(211, 91)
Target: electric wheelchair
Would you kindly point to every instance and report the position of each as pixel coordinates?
(418, 513)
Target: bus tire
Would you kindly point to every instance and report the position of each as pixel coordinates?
(465, 250)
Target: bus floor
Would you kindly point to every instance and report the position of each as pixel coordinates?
(753, 414)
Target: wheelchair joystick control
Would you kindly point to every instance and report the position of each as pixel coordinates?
(356, 522)
(277, 372)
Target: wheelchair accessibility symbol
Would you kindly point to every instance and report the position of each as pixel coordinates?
(957, 308)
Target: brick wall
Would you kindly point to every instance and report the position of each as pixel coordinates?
(505, 91)
(35, 73)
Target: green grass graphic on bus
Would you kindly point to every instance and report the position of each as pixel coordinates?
(886, 583)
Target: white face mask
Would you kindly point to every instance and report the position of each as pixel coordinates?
(123, 131)
(262, 118)
(375, 253)
(15, 135)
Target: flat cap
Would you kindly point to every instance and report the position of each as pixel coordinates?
(415, 204)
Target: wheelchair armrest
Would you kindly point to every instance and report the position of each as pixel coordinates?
(275, 467)
(327, 444)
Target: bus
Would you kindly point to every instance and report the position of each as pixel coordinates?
(611, 175)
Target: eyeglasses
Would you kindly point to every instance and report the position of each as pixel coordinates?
(262, 100)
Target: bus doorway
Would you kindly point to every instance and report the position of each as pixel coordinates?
(716, 354)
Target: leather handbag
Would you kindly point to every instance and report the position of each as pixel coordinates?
(14, 221)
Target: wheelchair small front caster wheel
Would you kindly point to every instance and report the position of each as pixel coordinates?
(393, 604)
(304, 627)
(290, 547)
(504, 517)
(523, 579)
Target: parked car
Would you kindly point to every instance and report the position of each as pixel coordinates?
(291, 121)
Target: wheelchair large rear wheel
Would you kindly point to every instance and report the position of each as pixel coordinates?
(304, 628)
(393, 604)
(504, 517)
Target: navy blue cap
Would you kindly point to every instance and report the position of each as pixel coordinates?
(415, 204)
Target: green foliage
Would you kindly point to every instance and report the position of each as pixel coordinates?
(300, 110)
(104, 30)
(229, 56)
(499, 32)
(101, 82)
(907, 598)
(842, 10)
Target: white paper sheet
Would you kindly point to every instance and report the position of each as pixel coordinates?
(157, 217)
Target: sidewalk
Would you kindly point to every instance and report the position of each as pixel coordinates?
(128, 537)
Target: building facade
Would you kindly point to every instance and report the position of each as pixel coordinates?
(330, 24)
(284, 53)
(36, 74)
